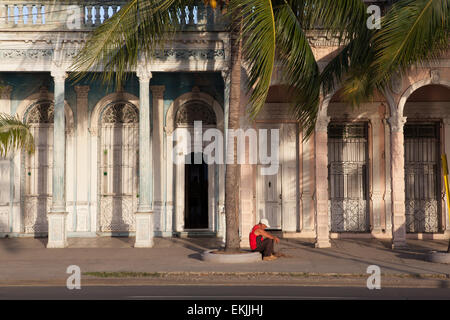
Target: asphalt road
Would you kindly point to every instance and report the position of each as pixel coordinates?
(222, 292)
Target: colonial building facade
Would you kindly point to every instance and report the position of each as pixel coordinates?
(104, 161)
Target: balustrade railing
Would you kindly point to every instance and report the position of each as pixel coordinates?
(56, 15)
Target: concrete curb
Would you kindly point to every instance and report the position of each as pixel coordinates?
(244, 278)
(246, 257)
(439, 257)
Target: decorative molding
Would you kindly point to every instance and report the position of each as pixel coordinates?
(58, 74)
(82, 91)
(43, 95)
(397, 83)
(106, 101)
(158, 91)
(32, 54)
(435, 76)
(143, 72)
(188, 54)
(195, 111)
(187, 98)
(120, 112)
(397, 123)
(320, 38)
(413, 87)
(41, 112)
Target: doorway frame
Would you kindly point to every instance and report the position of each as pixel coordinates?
(175, 191)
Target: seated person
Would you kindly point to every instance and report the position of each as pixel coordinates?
(262, 241)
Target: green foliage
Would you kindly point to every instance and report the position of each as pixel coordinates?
(14, 135)
(412, 32)
(275, 32)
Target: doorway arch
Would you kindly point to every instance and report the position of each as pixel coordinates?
(190, 107)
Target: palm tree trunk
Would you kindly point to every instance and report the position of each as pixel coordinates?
(232, 176)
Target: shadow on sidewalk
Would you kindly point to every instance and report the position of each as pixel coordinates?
(341, 250)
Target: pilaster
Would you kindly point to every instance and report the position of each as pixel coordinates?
(308, 185)
(321, 174)
(378, 174)
(144, 214)
(82, 177)
(397, 123)
(158, 152)
(57, 233)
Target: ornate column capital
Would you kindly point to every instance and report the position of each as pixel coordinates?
(446, 121)
(5, 92)
(82, 91)
(143, 73)
(59, 75)
(397, 123)
(158, 91)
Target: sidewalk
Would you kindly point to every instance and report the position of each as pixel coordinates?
(25, 260)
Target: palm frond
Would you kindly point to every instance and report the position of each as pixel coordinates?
(345, 18)
(14, 135)
(258, 45)
(298, 65)
(136, 32)
(350, 70)
(412, 32)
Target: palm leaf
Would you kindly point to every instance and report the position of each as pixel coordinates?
(412, 32)
(350, 70)
(258, 45)
(136, 32)
(14, 135)
(298, 65)
(344, 19)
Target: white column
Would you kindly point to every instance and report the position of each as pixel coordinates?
(6, 174)
(82, 177)
(144, 214)
(388, 180)
(397, 123)
(158, 159)
(57, 233)
(378, 187)
(169, 228)
(321, 174)
(307, 200)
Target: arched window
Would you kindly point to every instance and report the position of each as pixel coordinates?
(118, 176)
(38, 167)
(195, 111)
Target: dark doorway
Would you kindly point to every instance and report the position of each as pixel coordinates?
(196, 193)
